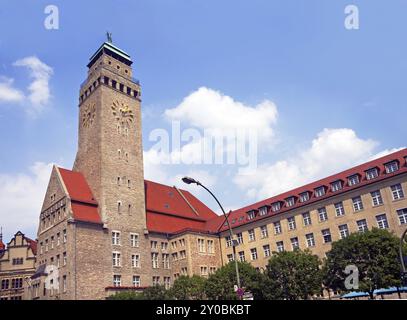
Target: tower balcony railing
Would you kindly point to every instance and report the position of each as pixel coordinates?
(136, 81)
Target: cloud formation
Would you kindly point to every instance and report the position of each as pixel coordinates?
(8, 93)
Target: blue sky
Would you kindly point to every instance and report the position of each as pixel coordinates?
(296, 55)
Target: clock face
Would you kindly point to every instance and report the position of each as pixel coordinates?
(122, 112)
(88, 115)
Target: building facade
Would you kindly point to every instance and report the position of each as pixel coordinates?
(17, 265)
(103, 228)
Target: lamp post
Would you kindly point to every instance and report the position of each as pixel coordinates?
(403, 265)
(189, 180)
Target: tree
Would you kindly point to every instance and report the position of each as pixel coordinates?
(293, 275)
(375, 253)
(126, 295)
(220, 285)
(150, 293)
(188, 288)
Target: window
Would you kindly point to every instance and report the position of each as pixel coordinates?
(46, 245)
(319, 192)
(64, 259)
(266, 250)
(204, 270)
(263, 211)
(290, 201)
(182, 242)
(291, 223)
(336, 186)
(239, 238)
(58, 239)
(135, 260)
(119, 181)
(372, 174)
(377, 199)
(182, 254)
(381, 220)
(362, 225)
(58, 260)
(276, 206)
(184, 270)
(253, 253)
(251, 215)
(153, 245)
(164, 246)
(212, 270)
(353, 180)
(166, 260)
(357, 204)
(241, 256)
(304, 197)
(294, 243)
(230, 257)
(252, 236)
(322, 214)
(211, 248)
(116, 238)
(136, 281)
(64, 287)
(129, 209)
(339, 209)
(134, 240)
(310, 240)
(397, 192)
(175, 256)
(5, 284)
(326, 235)
(116, 259)
(392, 167)
(228, 241)
(402, 216)
(154, 260)
(277, 227)
(201, 245)
(117, 280)
(264, 232)
(280, 246)
(343, 231)
(167, 282)
(52, 242)
(119, 206)
(306, 218)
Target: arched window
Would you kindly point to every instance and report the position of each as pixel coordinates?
(119, 206)
(118, 181)
(119, 153)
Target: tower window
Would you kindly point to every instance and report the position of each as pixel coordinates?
(118, 181)
(128, 183)
(121, 87)
(129, 91)
(129, 209)
(119, 152)
(119, 206)
(114, 84)
(106, 80)
(135, 93)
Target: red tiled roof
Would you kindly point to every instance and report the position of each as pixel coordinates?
(169, 212)
(2, 245)
(33, 245)
(400, 156)
(84, 205)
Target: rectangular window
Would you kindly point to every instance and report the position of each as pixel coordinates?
(322, 214)
(52, 242)
(304, 197)
(241, 256)
(204, 271)
(136, 281)
(264, 232)
(377, 199)
(336, 186)
(357, 204)
(58, 239)
(266, 250)
(307, 218)
(397, 192)
(280, 246)
(166, 260)
(239, 238)
(134, 240)
(153, 245)
(310, 240)
(211, 248)
(263, 211)
(392, 167)
(116, 259)
(167, 282)
(64, 259)
(251, 215)
(116, 238)
(381, 220)
(135, 260)
(291, 223)
(156, 281)
(154, 260)
(362, 225)
(117, 280)
(353, 180)
(294, 243)
(277, 227)
(290, 201)
(319, 192)
(230, 257)
(339, 209)
(276, 206)
(64, 284)
(326, 235)
(252, 236)
(343, 231)
(372, 174)
(253, 253)
(201, 245)
(164, 246)
(402, 214)
(228, 241)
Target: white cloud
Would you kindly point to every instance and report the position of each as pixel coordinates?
(21, 197)
(209, 109)
(39, 87)
(8, 93)
(333, 150)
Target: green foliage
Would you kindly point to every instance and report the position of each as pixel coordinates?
(150, 293)
(220, 285)
(188, 288)
(376, 255)
(126, 295)
(292, 275)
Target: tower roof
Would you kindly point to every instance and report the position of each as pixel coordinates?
(113, 51)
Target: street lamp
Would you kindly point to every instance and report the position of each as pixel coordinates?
(189, 180)
(403, 265)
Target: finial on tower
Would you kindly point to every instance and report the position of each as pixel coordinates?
(109, 37)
